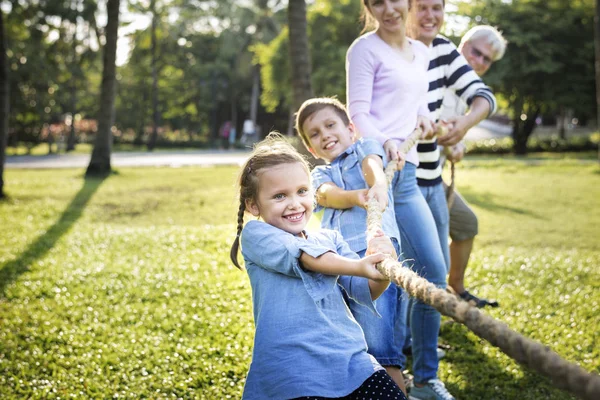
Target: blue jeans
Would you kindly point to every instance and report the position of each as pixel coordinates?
(385, 336)
(435, 197)
(421, 246)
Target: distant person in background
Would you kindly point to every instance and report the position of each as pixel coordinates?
(224, 133)
(248, 132)
(232, 135)
(481, 46)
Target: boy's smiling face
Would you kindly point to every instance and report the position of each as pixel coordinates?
(328, 135)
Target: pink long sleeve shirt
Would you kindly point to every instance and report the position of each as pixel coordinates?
(386, 93)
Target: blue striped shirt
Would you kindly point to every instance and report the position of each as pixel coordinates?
(448, 70)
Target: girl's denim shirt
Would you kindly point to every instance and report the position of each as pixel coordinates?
(306, 342)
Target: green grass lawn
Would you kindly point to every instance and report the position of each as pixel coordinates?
(123, 288)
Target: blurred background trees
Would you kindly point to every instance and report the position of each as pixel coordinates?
(548, 69)
(187, 66)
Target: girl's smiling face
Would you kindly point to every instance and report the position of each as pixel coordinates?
(285, 197)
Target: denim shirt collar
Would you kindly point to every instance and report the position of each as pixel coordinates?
(343, 155)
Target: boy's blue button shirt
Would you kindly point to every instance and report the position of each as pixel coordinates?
(346, 173)
(306, 342)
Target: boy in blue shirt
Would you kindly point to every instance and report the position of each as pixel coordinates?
(353, 175)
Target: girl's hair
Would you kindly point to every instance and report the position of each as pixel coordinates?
(366, 18)
(272, 151)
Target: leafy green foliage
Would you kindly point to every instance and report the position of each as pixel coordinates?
(549, 61)
(52, 64)
(332, 27)
(124, 287)
(204, 66)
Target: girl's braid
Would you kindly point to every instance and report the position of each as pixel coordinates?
(236, 243)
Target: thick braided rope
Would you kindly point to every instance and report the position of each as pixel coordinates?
(565, 375)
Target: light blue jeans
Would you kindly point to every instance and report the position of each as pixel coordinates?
(385, 335)
(420, 243)
(435, 196)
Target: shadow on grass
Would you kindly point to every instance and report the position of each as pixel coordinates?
(484, 377)
(40, 246)
(486, 201)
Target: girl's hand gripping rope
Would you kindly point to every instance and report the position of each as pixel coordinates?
(368, 267)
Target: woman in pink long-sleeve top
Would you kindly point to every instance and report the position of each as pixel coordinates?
(387, 99)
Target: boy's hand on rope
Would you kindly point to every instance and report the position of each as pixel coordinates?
(380, 243)
(361, 197)
(378, 192)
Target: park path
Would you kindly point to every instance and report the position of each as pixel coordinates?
(485, 130)
(133, 159)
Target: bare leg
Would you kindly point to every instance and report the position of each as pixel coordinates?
(397, 376)
(460, 251)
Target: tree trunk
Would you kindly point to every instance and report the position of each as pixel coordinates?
(100, 161)
(4, 103)
(255, 93)
(519, 145)
(73, 86)
(299, 52)
(597, 43)
(154, 136)
(300, 62)
(530, 124)
(522, 130)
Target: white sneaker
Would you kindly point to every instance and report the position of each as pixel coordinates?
(440, 353)
(433, 390)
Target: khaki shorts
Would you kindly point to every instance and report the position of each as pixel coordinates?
(463, 221)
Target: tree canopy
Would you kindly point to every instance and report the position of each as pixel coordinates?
(209, 54)
(549, 61)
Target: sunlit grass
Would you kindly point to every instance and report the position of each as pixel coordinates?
(123, 287)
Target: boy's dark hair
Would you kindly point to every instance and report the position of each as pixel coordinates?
(311, 106)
